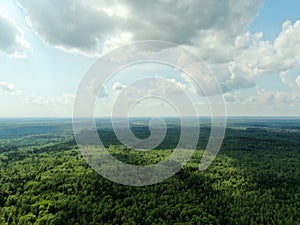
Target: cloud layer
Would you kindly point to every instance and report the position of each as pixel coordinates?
(65, 99)
(216, 30)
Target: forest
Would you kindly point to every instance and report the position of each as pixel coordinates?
(255, 178)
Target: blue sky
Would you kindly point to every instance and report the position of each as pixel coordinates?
(272, 15)
(252, 48)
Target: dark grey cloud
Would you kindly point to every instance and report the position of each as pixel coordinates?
(85, 26)
(69, 24)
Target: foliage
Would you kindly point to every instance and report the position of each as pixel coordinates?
(254, 180)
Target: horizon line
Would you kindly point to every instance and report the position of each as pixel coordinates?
(147, 117)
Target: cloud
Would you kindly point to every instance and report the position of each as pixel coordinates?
(163, 86)
(191, 84)
(275, 97)
(221, 81)
(12, 41)
(238, 61)
(237, 81)
(65, 99)
(153, 88)
(89, 26)
(263, 57)
(37, 100)
(96, 88)
(253, 57)
(298, 81)
(217, 31)
(285, 78)
(157, 86)
(184, 22)
(116, 41)
(8, 88)
(103, 93)
(118, 86)
(264, 97)
(287, 44)
(71, 25)
(231, 97)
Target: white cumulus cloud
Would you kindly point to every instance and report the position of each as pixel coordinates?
(12, 41)
(264, 57)
(118, 86)
(8, 88)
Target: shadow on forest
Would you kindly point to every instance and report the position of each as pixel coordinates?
(255, 179)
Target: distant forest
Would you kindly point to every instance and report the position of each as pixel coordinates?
(255, 178)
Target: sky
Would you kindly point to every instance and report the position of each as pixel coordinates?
(251, 47)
